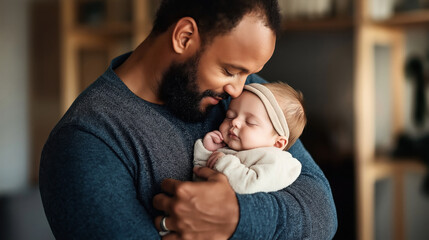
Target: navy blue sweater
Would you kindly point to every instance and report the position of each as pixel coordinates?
(106, 158)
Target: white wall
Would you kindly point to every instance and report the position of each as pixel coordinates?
(14, 130)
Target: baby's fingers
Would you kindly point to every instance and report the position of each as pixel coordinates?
(219, 134)
(212, 160)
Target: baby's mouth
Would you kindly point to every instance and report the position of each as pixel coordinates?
(232, 135)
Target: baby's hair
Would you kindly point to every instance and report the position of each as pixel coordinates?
(291, 102)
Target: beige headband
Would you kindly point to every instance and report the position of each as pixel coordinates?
(274, 111)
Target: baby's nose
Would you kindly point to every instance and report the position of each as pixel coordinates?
(236, 123)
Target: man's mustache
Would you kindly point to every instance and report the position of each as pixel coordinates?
(209, 93)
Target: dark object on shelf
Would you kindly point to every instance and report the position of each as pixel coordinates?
(415, 69)
(92, 13)
(408, 5)
(408, 146)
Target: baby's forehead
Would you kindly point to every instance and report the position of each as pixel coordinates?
(248, 102)
(246, 98)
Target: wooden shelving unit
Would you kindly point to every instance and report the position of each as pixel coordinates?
(102, 41)
(417, 18)
(369, 166)
(411, 18)
(319, 25)
(107, 30)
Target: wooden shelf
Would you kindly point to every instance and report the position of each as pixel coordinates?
(384, 166)
(403, 19)
(318, 25)
(410, 18)
(113, 29)
(114, 35)
(371, 167)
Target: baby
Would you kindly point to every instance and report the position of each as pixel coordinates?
(250, 146)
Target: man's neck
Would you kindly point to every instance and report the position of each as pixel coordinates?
(143, 70)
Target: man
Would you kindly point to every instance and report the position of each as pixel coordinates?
(119, 163)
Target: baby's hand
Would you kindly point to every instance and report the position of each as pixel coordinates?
(213, 141)
(213, 159)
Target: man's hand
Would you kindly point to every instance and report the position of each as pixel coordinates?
(212, 141)
(198, 210)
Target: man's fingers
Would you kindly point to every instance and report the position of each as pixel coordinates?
(162, 202)
(204, 172)
(170, 226)
(168, 223)
(171, 236)
(169, 185)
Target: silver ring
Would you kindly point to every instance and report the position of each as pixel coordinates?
(163, 227)
(164, 230)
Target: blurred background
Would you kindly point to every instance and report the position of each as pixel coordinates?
(362, 66)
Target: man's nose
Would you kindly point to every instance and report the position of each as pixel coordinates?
(235, 88)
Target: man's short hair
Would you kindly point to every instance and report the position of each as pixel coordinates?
(215, 17)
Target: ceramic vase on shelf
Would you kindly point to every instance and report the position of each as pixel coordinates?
(382, 9)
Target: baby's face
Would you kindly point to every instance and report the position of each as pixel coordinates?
(247, 125)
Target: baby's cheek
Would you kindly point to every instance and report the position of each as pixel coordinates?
(224, 131)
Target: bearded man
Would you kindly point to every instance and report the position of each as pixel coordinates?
(118, 165)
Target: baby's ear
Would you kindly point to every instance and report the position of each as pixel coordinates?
(281, 142)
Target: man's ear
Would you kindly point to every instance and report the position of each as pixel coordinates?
(281, 142)
(185, 36)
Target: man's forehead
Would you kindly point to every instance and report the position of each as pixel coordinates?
(248, 46)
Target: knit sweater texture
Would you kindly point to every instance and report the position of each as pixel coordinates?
(105, 159)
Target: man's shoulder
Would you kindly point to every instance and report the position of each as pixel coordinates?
(106, 108)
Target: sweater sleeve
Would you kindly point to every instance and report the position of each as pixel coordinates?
(201, 154)
(259, 170)
(88, 193)
(304, 210)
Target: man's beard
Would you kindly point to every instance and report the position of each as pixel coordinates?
(179, 91)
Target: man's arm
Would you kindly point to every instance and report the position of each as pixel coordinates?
(304, 210)
(88, 193)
